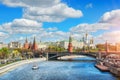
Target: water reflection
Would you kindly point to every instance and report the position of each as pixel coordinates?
(56, 70)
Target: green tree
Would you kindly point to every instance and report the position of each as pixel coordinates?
(15, 53)
(4, 53)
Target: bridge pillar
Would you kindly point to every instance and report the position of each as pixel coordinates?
(47, 56)
(51, 56)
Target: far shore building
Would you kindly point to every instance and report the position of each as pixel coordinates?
(2, 45)
(14, 45)
(76, 44)
(42, 45)
(91, 44)
(85, 42)
(118, 47)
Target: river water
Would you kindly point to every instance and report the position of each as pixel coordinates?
(59, 70)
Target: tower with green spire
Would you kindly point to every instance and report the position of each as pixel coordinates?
(70, 47)
(70, 39)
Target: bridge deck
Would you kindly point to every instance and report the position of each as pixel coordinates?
(54, 56)
(77, 60)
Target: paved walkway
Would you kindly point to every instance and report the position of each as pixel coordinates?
(14, 65)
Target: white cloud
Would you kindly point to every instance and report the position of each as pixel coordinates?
(52, 29)
(29, 3)
(44, 10)
(25, 23)
(21, 26)
(111, 37)
(108, 21)
(112, 17)
(54, 13)
(90, 5)
(3, 36)
(52, 36)
(34, 13)
(38, 11)
(87, 28)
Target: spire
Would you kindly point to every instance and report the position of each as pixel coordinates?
(91, 41)
(70, 39)
(86, 38)
(86, 35)
(34, 47)
(26, 45)
(83, 39)
(26, 40)
(34, 42)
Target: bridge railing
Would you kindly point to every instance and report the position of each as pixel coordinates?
(55, 55)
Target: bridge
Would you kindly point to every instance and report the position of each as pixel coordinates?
(56, 55)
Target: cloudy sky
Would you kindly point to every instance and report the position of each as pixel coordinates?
(54, 20)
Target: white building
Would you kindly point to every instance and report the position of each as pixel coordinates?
(64, 44)
(76, 44)
(42, 45)
(91, 44)
(14, 45)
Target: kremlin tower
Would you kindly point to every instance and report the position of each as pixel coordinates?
(30, 45)
(70, 47)
(26, 44)
(34, 46)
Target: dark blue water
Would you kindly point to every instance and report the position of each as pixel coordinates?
(56, 70)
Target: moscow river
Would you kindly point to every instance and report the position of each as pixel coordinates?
(59, 70)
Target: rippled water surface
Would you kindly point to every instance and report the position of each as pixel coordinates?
(56, 70)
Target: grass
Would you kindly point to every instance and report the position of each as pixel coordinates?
(1, 65)
(4, 64)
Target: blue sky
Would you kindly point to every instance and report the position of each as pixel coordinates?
(47, 20)
(90, 15)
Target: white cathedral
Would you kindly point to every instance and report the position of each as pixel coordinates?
(83, 43)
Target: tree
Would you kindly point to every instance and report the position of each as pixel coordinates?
(15, 53)
(4, 53)
(100, 47)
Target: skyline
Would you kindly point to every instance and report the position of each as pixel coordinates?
(57, 19)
